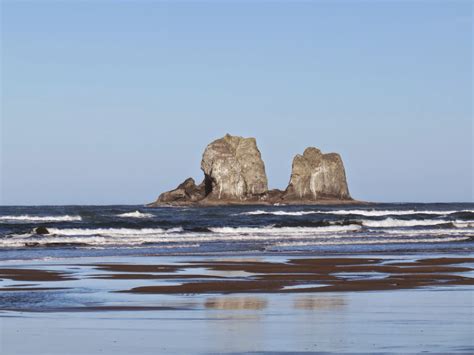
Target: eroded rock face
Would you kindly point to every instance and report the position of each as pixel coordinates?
(233, 169)
(317, 176)
(187, 191)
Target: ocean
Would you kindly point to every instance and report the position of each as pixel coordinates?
(79, 231)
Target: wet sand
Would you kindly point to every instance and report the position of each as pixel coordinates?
(295, 275)
(403, 321)
(21, 274)
(235, 304)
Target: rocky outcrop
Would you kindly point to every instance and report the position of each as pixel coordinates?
(233, 169)
(234, 172)
(316, 176)
(41, 230)
(187, 191)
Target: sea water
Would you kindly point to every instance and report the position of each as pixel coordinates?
(137, 230)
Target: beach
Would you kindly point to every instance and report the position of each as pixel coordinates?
(387, 303)
(387, 278)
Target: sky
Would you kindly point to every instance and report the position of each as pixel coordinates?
(113, 102)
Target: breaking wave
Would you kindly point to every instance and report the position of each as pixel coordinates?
(374, 241)
(111, 231)
(285, 230)
(372, 213)
(435, 232)
(263, 236)
(136, 214)
(391, 222)
(169, 240)
(29, 218)
(277, 213)
(227, 229)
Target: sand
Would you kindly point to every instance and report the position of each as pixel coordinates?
(295, 275)
(269, 277)
(235, 304)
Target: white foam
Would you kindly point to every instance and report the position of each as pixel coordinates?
(373, 241)
(111, 231)
(136, 214)
(373, 213)
(20, 240)
(286, 230)
(444, 231)
(310, 236)
(464, 224)
(29, 218)
(278, 213)
(376, 213)
(92, 241)
(391, 222)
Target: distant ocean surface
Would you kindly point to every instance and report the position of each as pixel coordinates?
(77, 231)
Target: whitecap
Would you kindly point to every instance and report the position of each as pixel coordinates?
(464, 224)
(286, 230)
(373, 213)
(136, 214)
(391, 222)
(372, 241)
(111, 231)
(29, 218)
(278, 213)
(435, 232)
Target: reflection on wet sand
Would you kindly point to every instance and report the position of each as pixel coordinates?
(235, 260)
(319, 303)
(236, 303)
(236, 322)
(236, 276)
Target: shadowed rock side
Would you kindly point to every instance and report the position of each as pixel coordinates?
(234, 173)
(317, 176)
(187, 191)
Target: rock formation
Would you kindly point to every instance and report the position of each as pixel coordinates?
(233, 169)
(317, 176)
(234, 172)
(187, 191)
(41, 230)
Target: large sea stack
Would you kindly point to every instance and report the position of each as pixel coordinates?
(234, 173)
(233, 169)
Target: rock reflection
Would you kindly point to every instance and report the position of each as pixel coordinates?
(238, 260)
(235, 303)
(319, 303)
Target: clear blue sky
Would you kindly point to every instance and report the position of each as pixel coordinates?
(107, 102)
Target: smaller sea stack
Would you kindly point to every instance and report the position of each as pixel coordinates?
(316, 176)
